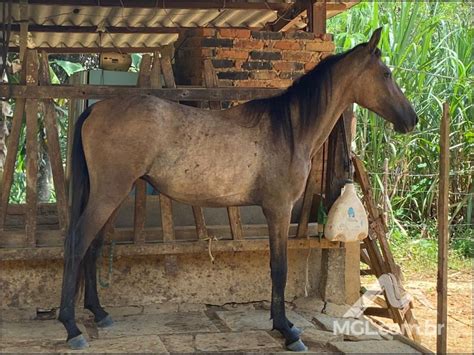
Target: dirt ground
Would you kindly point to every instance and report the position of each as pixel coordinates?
(460, 309)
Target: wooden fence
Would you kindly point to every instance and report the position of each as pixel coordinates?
(36, 231)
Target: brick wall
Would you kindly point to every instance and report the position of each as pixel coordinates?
(245, 58)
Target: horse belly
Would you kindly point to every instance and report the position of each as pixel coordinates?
(211, 181)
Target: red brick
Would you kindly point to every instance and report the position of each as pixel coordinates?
(287, 66)
(263, 75)
(320, 46)
(234, 33)
(310, 65)
(255, 83)
(248, 44)
(225, 53)
(281, 83)
(287, 45)
(297, 56)
(325, 55)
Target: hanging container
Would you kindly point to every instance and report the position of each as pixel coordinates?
(347, 219)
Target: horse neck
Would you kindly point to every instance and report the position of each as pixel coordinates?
(339, 98)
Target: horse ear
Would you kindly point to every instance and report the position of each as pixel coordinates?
(375, 39)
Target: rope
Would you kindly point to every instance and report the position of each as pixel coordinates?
(209, 247)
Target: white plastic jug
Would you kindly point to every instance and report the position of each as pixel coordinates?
(347, 219)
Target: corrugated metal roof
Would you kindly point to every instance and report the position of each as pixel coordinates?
(130, 18)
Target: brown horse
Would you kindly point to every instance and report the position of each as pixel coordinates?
(258, 153)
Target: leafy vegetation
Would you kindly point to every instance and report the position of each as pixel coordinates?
(429, 48)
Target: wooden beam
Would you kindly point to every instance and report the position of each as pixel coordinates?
(443, 234)
(286, 19)
(53, 147)
(170, 248)
(12, 150)
(104, 91)
(110, 29)
(31, 110)
(316, 11)
(82, 50)
(168, 4)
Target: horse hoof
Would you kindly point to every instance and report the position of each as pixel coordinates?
(105, 322)
(78, 343)
(297, 346)
(296, 331)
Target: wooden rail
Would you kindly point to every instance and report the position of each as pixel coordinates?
(183, 93)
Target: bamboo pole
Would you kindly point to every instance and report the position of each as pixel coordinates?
(443, 234)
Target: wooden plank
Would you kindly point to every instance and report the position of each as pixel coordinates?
(12, 151)
(317, 17)
(210, 81)
(155, 75)
(144, 74)
(13, 239)
(443, 233)
(144, 80)
(183, 93)
(54, 150)
(139, 211)
(169, 248)
(167, 218)
(200, 222)
(377, 312)
(167, 71)
(31, 109)
(23, 28)
(235, 223)
(9, 167)
(307, 201)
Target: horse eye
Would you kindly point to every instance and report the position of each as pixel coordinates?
(387, 75)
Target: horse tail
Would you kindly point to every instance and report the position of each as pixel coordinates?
(79, 174)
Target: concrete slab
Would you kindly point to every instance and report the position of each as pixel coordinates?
(219, 342)
(351, 328)
(135, 344)
(257, 320)
(160, 308)
(316, 336)
(40, 330)
(373, 347)
(165, 323)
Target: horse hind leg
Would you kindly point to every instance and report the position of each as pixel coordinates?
(98, 210)
(91, 297)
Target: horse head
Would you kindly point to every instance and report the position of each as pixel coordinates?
(375, 89)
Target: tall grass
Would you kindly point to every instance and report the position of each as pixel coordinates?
(429, 48)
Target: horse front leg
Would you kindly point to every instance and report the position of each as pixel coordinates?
(278, 224)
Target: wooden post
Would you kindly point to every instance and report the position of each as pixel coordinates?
(316, 11)
(443, 234)
(144, 80)
(385, 190)
(23, 28)
(54, 151)
(343, 288)
(12, 150)
(31, 109)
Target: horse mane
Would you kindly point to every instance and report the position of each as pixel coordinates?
(310, 92)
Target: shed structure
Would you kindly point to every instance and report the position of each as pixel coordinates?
(208, 53)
